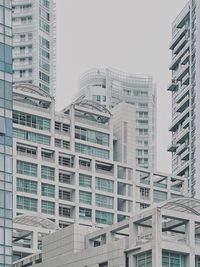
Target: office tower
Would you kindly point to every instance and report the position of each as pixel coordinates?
(34, 43)
(64, 170)
(164, 235)
(109, 87)
(5, 134)
(185, 65)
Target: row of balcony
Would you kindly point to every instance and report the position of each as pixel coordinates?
(178, 37)
(180, 118)
(179, 56)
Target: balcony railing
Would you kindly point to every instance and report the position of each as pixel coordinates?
(182, 94)
(172, 147)
(177, 238)
(183, 104)
(178, 37)
(183, 71)
(92, 123)
(182, 135)
(25, 154)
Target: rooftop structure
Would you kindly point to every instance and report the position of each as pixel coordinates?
(167, 234)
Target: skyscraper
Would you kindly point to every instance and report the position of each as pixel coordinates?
(185, 84)
(109, 87)
(34, 43)
(5, 134)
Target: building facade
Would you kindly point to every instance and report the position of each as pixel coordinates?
(64, 170)
(5, 134)
(185, 127)
(165, 235)
(109, 87)
(34, 43)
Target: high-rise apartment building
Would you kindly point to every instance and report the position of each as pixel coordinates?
(185, 84)
(34, 43)
(64, 170)
(109, 87)
(5, 134)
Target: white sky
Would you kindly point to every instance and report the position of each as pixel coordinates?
(130, 35)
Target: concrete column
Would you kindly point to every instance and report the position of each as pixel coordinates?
(156, 238)
(133, 233)
(76, 180)
(132, 261)
(34, 241)
(190, 237)
(115, 192)
(93, 191)
(151, 187)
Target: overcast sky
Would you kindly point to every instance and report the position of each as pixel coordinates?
(130, 35)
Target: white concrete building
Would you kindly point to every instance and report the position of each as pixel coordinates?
(185, 66)
(109, 87)
(34, 43)
(64, 172)
(167, 235)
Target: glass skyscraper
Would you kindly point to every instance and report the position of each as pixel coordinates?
(5, 134)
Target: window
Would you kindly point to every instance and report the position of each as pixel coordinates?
(62, 127)
(44, 42)
(45, 66)
(65, 211)
(65, 195)
(65, 177)
(104, 185)
(104, 217)
(26, 186)
(121, 172)
(26, 168)
(85, 197)
(26, 203)
(66, 161)
(170, 259)
(48, 207)
(92, 136)
(48, 190)
(62, 143)
(92, 151)
(85, 214)
(44, 26)
(44, 77)
(27, 151)
(144, 193)
(31, 120)
(159, 196)
(144, 259)
(85, 180)
(33, 137)
(47, 173)
(104, 201)
(45, 15)
(45, 3)
(44, 54)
